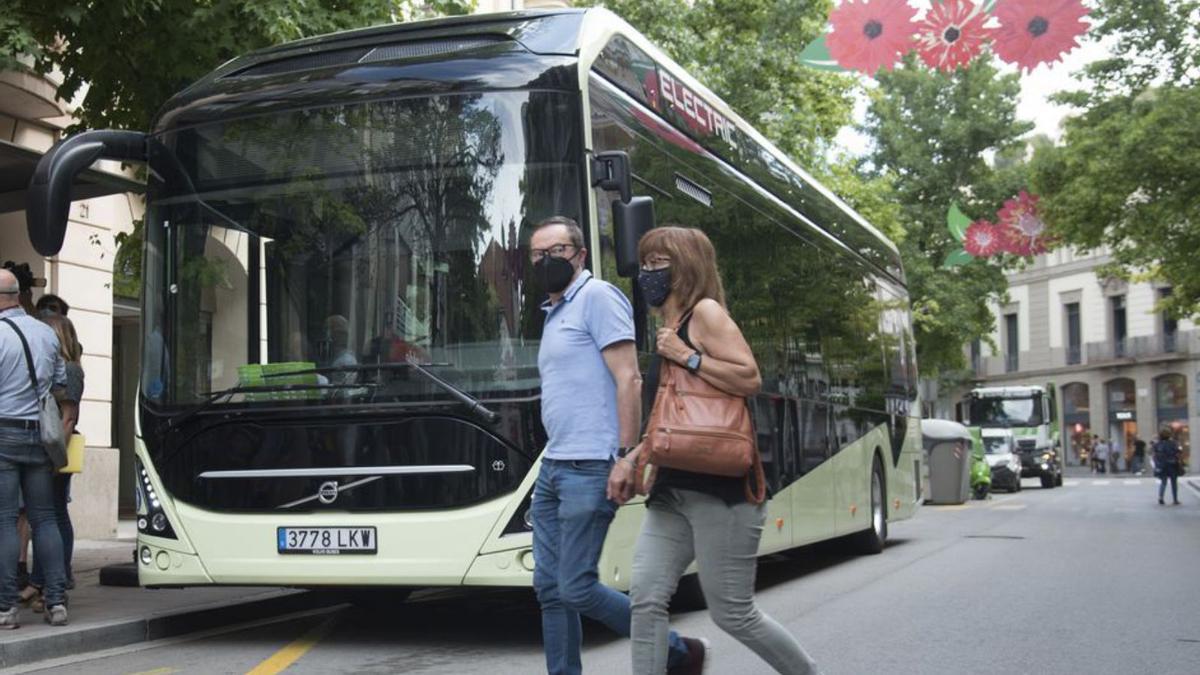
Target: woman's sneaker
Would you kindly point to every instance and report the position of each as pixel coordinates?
(56, 615)
(8, 619)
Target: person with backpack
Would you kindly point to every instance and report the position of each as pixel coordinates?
(1167, 458)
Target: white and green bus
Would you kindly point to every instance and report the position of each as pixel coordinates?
(340, 382)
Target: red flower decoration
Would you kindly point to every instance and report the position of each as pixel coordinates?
(951, 34)
(982, 239)
(1032, 32)
(871, 34)
(1025, 231)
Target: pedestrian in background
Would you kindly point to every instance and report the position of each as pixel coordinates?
(1139, 457)
(1099, 455)
(1167, 458)
(25, 467)
(692, 516)
(71, 353)
(591, 410)
(1114, 457)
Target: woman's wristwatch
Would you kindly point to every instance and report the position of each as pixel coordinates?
(693, 363)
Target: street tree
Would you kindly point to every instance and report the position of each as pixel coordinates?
(933, 135)
(1125, 175)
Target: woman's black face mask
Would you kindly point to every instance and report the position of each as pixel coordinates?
(554, 274)
(655, 285)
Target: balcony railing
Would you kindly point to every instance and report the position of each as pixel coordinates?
(1144, 346)
(1178, 344)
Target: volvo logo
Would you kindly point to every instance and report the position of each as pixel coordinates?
(328, 492)
(498, 465)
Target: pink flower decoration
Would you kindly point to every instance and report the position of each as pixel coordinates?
(1033, 32)
(951, 34)
(982, 239)
(1024, 230)
(870, 34)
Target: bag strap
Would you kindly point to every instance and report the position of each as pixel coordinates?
(28, 359)
(758, 493)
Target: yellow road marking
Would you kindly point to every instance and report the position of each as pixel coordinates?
(292, 653)
(165, 670)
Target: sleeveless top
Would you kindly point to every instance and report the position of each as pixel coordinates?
(730, 490)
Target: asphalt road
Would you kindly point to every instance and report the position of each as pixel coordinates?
(1093, 577)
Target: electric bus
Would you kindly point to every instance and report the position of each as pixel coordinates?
(339, 383)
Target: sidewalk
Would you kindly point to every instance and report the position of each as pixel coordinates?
(102, 617)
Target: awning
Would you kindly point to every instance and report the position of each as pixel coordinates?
(16, 168)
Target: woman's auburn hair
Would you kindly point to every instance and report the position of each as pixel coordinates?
(68, 341)
(694, 274)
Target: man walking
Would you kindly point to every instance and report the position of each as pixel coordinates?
(25, 468)
(591, 409)
(1100, 455)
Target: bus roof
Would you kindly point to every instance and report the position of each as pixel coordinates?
(1008, 392)
(579, 33)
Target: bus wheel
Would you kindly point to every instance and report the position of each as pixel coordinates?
(689, 597)
(870, 541)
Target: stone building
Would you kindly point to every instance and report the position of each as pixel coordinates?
(1121, 368)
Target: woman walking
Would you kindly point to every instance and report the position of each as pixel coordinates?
(71, 353)
(1167, 458)
(696, 516)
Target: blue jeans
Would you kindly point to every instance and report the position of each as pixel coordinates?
(25, 469)
(571, 516)
(62, 495)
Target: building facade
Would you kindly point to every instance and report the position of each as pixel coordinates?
(1122, 370)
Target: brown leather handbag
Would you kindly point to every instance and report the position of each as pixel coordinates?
(697, 427)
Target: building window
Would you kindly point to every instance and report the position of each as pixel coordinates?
(1074, 337)
(1171, 403)
(1119, 329)
(1122, 413)
(1170, 325)
(1011, 344)
(976, 358)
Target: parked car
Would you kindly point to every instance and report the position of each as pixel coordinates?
(1003, 460)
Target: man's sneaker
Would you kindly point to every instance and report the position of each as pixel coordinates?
(697, 657)
(8, 619)
(56, 615)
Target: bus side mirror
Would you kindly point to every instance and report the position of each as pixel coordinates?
(49, 197)
(630, 221)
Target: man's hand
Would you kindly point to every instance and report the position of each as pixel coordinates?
(620, 479)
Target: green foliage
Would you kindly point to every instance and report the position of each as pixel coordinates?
(748, 52)
(1125, 176)
(134, 54)
(932, 132)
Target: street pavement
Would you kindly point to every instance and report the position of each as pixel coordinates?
(1092, 577)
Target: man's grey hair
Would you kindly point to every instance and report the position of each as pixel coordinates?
(8, 283)
(573, 230)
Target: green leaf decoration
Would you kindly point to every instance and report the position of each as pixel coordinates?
(957, 222)
(956, 258)
(816, 55)
(989, 6)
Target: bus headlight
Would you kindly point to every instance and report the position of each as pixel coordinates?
(152, 519)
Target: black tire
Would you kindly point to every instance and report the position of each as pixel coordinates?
(871, 540)
(689, 597)
(981, 491)
(1016, 486)
(1048, 482)
(1058, 479)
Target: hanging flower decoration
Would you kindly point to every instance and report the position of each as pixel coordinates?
(1033, 32)
(983, 239)
(867, 35)
(870, 34)
(951, 34)
(1025, 229)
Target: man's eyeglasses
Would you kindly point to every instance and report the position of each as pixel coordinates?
(555, 251)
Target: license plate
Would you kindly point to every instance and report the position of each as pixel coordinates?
(326, 540)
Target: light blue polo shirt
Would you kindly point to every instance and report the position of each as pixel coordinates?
(17, 399)
(579, 395)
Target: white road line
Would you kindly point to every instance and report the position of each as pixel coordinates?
(1070, 483)
(1100, 482)
(1131, 481)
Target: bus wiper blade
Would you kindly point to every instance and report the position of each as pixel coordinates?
(212, 397)
(472, 404)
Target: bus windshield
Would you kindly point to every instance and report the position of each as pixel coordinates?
(1006, 412)
(299, 248)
